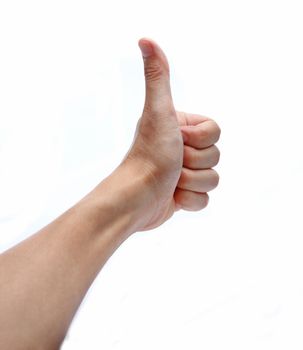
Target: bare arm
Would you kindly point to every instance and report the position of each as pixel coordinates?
(44, 278)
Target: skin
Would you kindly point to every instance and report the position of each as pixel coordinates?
(168, 167)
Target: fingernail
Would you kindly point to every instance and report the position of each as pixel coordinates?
(146, 48)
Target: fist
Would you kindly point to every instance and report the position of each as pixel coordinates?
(174, 150)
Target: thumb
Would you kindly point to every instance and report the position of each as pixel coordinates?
(158, 96)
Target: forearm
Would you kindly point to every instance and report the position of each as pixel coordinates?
(44, 278)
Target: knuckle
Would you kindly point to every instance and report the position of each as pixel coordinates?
(184, 178)
(216, 131)
(216, 155)
(201, 202)
(194, 159)
(186, 155)
(153, 71)
(214, 179)
(204, 200)
(203, 133)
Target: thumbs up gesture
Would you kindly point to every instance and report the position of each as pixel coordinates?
(174, 150)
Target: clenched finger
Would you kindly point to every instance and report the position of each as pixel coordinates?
(200, 158)
(202, 135)
(189, 200)
(198, 180)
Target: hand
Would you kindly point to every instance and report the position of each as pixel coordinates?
(174, 149)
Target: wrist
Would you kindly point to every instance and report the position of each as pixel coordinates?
(123, 199)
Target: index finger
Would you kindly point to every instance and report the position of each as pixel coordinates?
(202, 135)
(190, 118)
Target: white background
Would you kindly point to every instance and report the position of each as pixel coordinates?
(71, 91)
